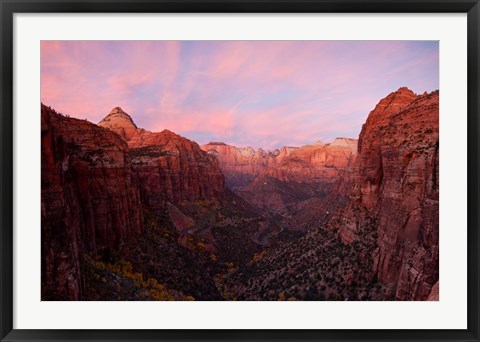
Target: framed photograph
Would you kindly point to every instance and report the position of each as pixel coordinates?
(213, 170)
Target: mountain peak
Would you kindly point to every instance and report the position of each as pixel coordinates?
(403, 94)
(117, 110)
(119, 122)
(393, 103)
(405, 90)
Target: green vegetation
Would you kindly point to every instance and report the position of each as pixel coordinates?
(148, 151)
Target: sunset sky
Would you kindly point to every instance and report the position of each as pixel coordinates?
(245, 93)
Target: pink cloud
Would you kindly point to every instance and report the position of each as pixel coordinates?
(258, 93)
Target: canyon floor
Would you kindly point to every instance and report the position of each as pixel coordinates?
(129, 214)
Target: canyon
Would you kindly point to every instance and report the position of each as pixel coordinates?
(283, 180)
(383, 209)
(129, 214)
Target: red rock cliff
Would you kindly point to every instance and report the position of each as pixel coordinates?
(89, 202)
(166, 166)
(394, 186)
(283, 180)
(307, 164)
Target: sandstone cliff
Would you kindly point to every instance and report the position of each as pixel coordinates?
(281, 181)
(394, 190)
(307, 164)
(166, 166)
(119, 122)
(89, 202)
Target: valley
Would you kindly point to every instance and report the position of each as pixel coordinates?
(129, 214)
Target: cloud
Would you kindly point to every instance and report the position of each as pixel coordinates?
(256, 93)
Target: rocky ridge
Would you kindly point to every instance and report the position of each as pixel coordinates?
(280, 182)
(166, 166)
(89, 202)
(311, 163)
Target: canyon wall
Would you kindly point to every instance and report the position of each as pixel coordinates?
(88, 200)
(166, 167)
(308, 164)
(98, 182)
(285, 180)
(393, 189)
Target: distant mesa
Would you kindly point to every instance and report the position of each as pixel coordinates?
(216, 143)
(313, 164)
(345, 142)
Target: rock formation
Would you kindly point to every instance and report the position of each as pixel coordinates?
(394, 188)
(89, 202)
(166, 166)
(434, 293)
(306, 164)
(338, 221)
(280, 181)
(119, 122)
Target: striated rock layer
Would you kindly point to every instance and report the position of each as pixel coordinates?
(98, 186)
(393, 188)
(89, 202)
(166, 166)
(119, 122)
(307, 164)
(280, 182)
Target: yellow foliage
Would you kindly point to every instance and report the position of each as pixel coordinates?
(148, 287)
(259, 256)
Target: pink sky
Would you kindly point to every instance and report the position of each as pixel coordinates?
(246, 93)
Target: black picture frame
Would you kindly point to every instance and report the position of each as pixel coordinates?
(9, 7)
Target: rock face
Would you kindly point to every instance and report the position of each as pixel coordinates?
(307, 164)
(435, 293)
(166, 166)
(279, 182)
(119, 122)
(394, 186)
(89, 202)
